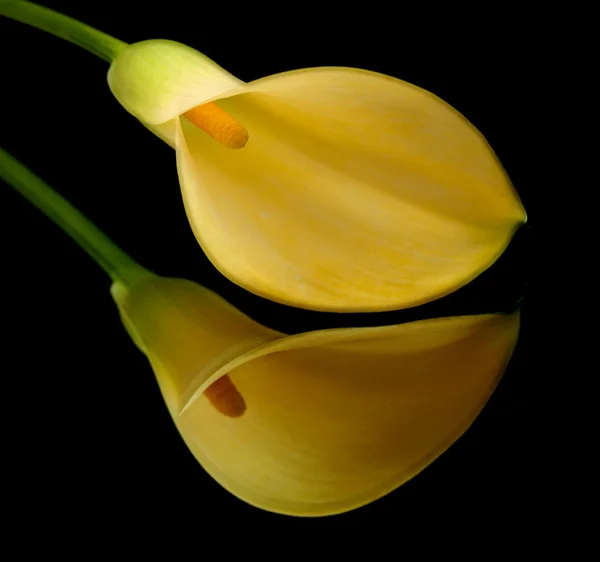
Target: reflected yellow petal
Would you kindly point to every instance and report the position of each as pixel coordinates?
(334, 419)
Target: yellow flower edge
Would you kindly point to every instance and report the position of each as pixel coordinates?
(356, 191)
(335, 419)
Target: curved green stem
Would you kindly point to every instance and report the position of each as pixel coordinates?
(80, 34)
(107, 254)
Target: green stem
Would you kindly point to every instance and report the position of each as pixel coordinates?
(95, 41)
(107, 254)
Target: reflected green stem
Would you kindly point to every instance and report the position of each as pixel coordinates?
(118, 265)
(80, 34)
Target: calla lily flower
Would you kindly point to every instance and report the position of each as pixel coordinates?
(334, 189)
(317, 423)
(349, 190)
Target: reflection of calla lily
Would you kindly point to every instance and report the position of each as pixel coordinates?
(333, 419)
(310, 424)
(355, 191)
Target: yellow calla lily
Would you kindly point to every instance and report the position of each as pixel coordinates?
(355, 191)
(333, 419)
(326, 421)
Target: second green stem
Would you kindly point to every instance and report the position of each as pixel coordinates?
(118, 265)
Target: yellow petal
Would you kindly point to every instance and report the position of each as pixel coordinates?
(336, 418)
(157, 80)
(355, 192)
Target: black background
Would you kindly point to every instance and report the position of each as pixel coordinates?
(86, 430)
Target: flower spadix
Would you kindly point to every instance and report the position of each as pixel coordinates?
(327, 188)
(329, 420)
